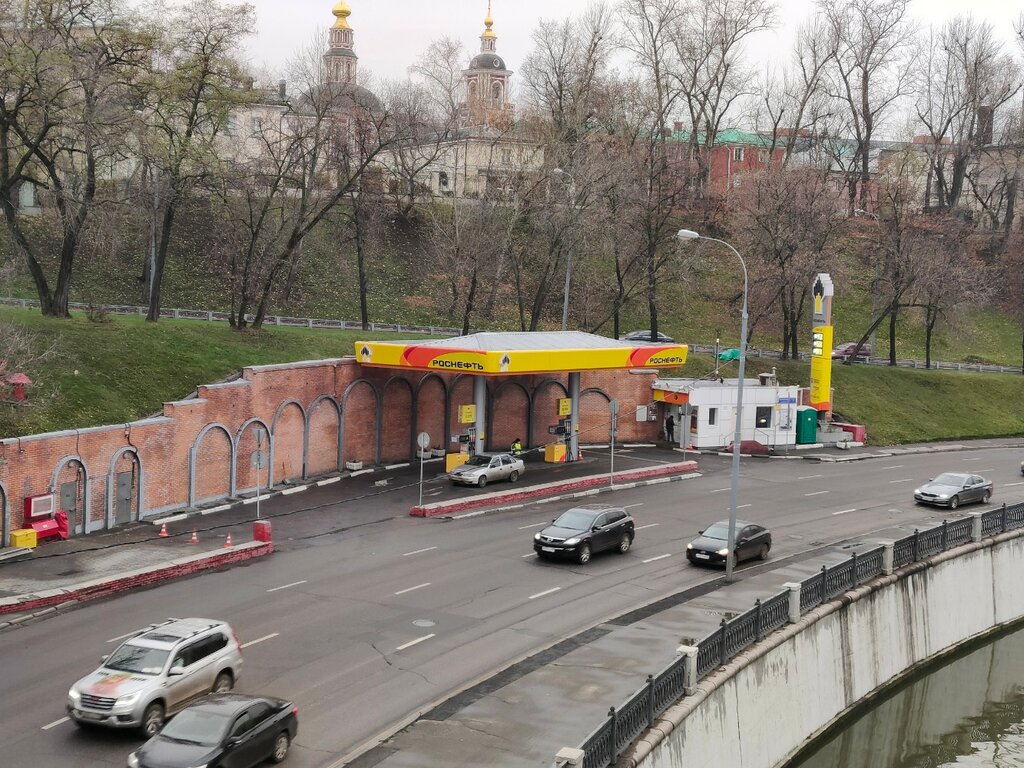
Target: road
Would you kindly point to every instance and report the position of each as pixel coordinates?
(365, 627)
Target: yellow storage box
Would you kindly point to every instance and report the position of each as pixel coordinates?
(23, 537)
(554, 453)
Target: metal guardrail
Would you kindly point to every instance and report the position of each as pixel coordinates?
(627, 722)
(223, 317)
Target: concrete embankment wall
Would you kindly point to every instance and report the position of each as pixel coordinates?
(775, 697)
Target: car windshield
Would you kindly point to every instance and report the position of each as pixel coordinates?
(138, 659)
(479, 461)
(948, 478)
(576, 519)
(717, 531)
(197, 726)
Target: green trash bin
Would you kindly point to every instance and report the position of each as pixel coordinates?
(806, 425)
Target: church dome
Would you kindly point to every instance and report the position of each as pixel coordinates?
(487, 61)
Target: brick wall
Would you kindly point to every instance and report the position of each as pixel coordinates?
(299, 405)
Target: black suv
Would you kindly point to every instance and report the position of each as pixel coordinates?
(581, 531)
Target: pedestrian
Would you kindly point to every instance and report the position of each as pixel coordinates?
(670, 428)
(517, 447)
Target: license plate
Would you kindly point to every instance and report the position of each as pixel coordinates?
(90, 716)
(702, 556)
(547, 549)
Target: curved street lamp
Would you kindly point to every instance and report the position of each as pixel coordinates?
(571, 181)
(730, 560)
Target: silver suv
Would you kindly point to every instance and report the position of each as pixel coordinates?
(156, 673)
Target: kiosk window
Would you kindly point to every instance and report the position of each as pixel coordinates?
(763, 417)
(712, 416)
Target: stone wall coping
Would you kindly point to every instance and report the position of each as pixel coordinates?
(325, 363)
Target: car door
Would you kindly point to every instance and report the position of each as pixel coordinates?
(181, 688)
(237, 752)
(494, 469)
(746, 544)
(977, 488)
(201, 668)
(257, 739)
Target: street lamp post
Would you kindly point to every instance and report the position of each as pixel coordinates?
(568, 259)
(730, 560)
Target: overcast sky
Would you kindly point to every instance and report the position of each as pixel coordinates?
(390, 34)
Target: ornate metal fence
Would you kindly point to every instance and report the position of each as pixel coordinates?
(623, 725)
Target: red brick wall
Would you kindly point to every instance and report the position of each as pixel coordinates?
(430, 410)
(461, 394)
(323, 439)
(545, 409)
(360, 442)
(245, 478)
(397, 429)
(511, 411)
(288, 439)
(213, 466)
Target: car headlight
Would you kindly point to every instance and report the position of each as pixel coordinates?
(536, 537)
(943, 495)
(74, 695)
(130, 698)
(689, 546)
(723, 551)
(572, 542)
(133, 761)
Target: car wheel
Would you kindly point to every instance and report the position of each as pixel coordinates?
(514, 476)
(583, 556)
(152, 720)
(224, 683)
(954, 502)
(281, 744)
(763, 553)
(985, 498)
(482, 481)
(624, 543)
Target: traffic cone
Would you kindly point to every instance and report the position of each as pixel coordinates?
(163, 531)
(195, 538)
(227, 542)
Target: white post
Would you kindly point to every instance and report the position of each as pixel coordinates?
(794, 600)
(689, 668)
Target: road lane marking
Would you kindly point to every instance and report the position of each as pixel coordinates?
(815, 493)
(987, 469)
(122, 637)
(720, 490)
(894, 466)
(844, 511)
(1010, 485)
(411, 589)
(54, 724)
(533, 525)
(904, 480)
(287, 586)
(649, 525)
(545, 592)
(630, 506)
(418, 551)
(744, 506)
(659, 557)
(271, 636)
(418, 640)
(809, 477)
(974, 459)
(529, 555)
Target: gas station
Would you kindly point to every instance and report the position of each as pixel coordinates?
(491, 356)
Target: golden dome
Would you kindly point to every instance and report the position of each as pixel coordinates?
(489, 22)
(342, 11)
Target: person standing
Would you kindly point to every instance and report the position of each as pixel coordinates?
(517, 447)
(670, 428)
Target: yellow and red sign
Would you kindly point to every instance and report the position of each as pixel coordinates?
(821, 367)
(425, 357)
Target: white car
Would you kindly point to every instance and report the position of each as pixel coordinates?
(485, 468)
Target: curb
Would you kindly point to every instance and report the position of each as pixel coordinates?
(579, 484)
(90, 590)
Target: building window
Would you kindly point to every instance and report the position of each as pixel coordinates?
(442, 179)
(712, 416)
(231, 127)
(256, 127)
(762, 156)
(737, 154)
(496, 92)
(763, 417)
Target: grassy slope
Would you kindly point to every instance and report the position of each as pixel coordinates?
(126, 368)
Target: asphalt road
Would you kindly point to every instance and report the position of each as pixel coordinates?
(367, 626)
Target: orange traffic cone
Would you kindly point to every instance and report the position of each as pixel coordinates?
(195, 538)
(227, 542)
(163, 530)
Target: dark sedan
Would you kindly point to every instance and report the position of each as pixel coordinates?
(581, 531)
(712, 546)
(951, 489)
(646, 336)
(228, 730)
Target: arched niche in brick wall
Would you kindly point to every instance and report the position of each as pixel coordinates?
(595, 422)
(509, 415)
(288, 454)
(360, 429)
(73, 490)
(5, 517)
(246, 474)
(545, 409)
(398, 420)
(432, 409)
(212, 477)
(125, 459)
(323, 437)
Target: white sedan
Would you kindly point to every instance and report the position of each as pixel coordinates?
(484, 468)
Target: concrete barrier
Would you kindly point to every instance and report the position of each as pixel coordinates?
(778, 695)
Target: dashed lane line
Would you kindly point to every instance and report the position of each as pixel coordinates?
(904, 480)
(545, 592)
(55, 723)
(809, 477)
(532, 525)
(412, 589)
(418, 551)
(844, 511)
(659, 557)
(630, 506)
(271, 636)
(417, 641)
(649, 525)
(287, 586)
(816, 493)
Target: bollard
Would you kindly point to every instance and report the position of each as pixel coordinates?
(976, 526)
(888, 555)
(689, 668)
(794, 600)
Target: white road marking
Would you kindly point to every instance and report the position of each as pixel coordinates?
(418, 640)
(815, 493)
(122, 637)
(630, 506)
(987, 469)
(290, 491)
(904, 480)
(649, 525)
(974, 459)
(545, 592)
(744, 506)
(529, 555)
(1010, 485)
(286, 586)
(411, 589)
(809, 477)
(659, 557)
(844, 511)
(532, 525)
(54, 724)
(469, 514)
(418, 551)
(894, 466)
(720, 490)
(271, 636)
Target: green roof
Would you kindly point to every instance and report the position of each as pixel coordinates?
(727, 136)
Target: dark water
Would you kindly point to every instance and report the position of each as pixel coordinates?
(968, 713)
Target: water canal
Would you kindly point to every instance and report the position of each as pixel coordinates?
(966, 712)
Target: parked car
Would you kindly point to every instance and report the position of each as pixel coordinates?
(485, 468)
(847, 349)
(227, 730)
(646, 336)
(581, 531)
(951, 489)
(712, 545)
(156, 673)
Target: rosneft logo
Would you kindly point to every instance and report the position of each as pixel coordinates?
(667, 360)
(459, 365)
(365, 354)
(656, 356)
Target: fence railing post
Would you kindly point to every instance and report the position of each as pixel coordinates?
(945, 535)
(854, 581)
(724, 656)
(888, 557)
(689, 668)
(650, 700)
(824, 574)
(976, 527)
(917, 535)
(1004, 518)
(757, 620)
(794, 600)
(613, 721)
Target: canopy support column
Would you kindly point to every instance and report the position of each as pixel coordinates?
(573, 443)
(480, 399)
